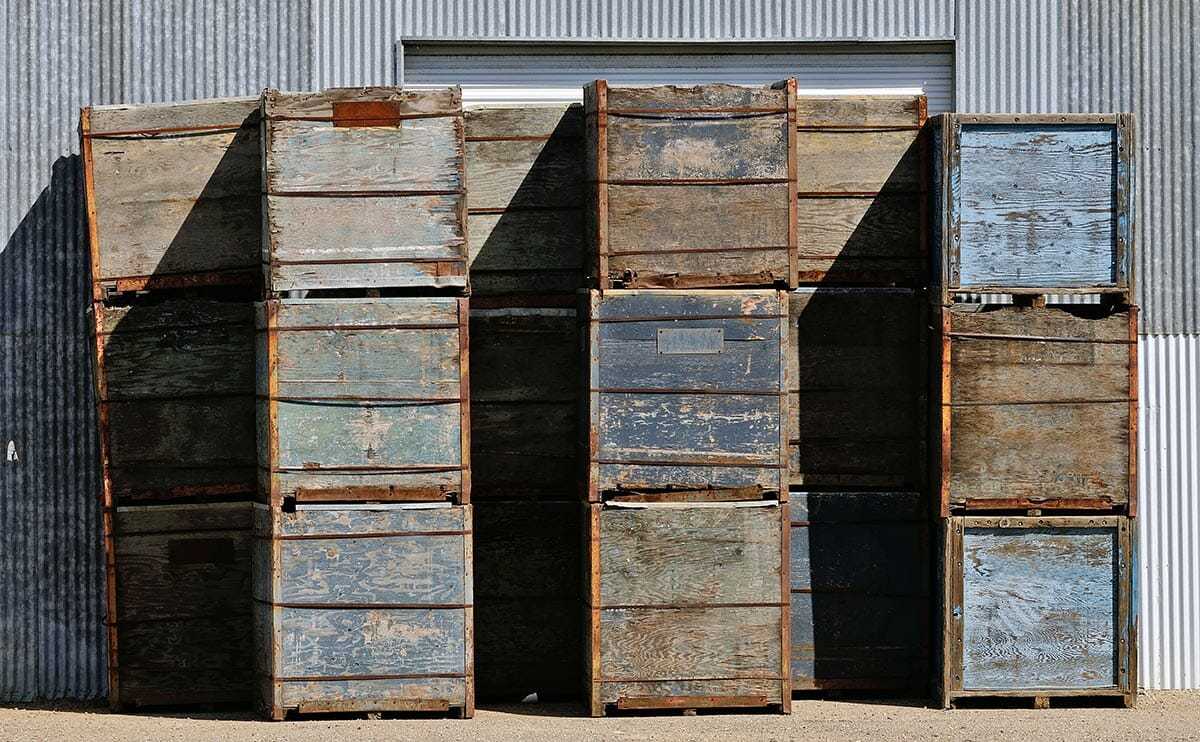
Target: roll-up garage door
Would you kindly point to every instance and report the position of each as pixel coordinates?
(518, 73)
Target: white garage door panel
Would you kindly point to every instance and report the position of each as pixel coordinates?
(523, 79)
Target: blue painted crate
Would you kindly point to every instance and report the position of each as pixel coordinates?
(363, 399)
(1038, 607)
(1035, 203)
(686, 390)
(365, 607)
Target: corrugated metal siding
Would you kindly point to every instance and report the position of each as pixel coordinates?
(1105, 55)
(57, 58)
(1024, 56)
(1169, 518)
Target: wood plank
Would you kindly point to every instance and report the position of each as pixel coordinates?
(372, 695)
(882, 161)
(639, 644)
(319, 104)
(624, 305)
(525, 355)
(856, 110)
(524, 449)
(1038, 610)
(680, 691)
(710, 95)
(535, 121)
(179, 115)
(857, 641)
(698, 147)
(666, 475)
(526, 252)
(348, 522)
(1055, 225)
(690, 556)
(406, 228)
(309, 156)
(321, 642)
(539, 173)
(686, 428)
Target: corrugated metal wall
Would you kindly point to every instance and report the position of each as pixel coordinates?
(57, 58)
(1022, 55)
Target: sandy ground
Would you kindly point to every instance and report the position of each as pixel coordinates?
(1159, 716)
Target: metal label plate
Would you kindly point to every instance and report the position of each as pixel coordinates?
(673, 341)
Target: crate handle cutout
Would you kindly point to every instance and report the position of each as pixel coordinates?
(691, 340)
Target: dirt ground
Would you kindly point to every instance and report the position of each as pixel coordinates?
(1158, 716)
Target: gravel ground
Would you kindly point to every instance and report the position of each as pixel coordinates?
(1158, 716)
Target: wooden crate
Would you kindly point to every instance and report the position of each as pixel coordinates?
(363, 608)
(1038, 408)
(173, 194)
(364, 189)
(686, 391)
(860, 581)
(363, 400)
(857, 376)
(862, 183)
(168, 374)
(694, 186)
(687, 606)
(528, 625)
(1039, 607)
(178, 604)
(1035, 203)
(526, 191)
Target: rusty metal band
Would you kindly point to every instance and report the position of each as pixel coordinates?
(207, 129)
(391, 117)
(1119, 400)
(683, 250)
(380, 261)
(662, 390)
(351, 328)
(684, 606)
(521, 209)
(324, 678)
(700, 317)
(692, 181)
(416, 401)
(688, 680)
(1100, 505)
(336, 536)
(366, 606)
(381, 470)
(401, 193)
(685, 462)
(1036, 338)
(651, 112)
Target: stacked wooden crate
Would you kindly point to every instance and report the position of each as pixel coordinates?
(525, 197)
(1037, 432)
(692, 214)
(860, 557)
(173, 215)
(363, 552)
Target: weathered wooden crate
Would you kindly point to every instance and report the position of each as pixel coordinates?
(173, 194)
(528, 625)
(363, 400)
(1039, 607)
(1035, 204)
(526, 192)
(1038, 408)
(168, 374)
(860, 581)
(687, 606)
(686, 391)
(179, 605)
(364, 188)
(363, 608)
(857, 379)
(694, 186)
(525, 400)
(862, 182)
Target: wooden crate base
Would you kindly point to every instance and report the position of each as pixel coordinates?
(1039, 699)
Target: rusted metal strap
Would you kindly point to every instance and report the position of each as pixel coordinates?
(360, 328)
(121, 284)
(687, 606)
(730, 494)
(1101, 504)
(276, 262)
(414, 401)
(684, 111)
(367, 194)
(684, 250)
(678, 281)
(360, 493)
(689, 702)
(336, 536)
(698, 317)
(692, 181)
(1119, 400)
(1038, 338)
(136, 133)
(369, 606)
(659, 390)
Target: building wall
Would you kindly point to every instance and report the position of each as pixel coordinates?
(1021, 55)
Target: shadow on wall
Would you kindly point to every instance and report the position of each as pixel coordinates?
(861, 616)
(51, 568)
